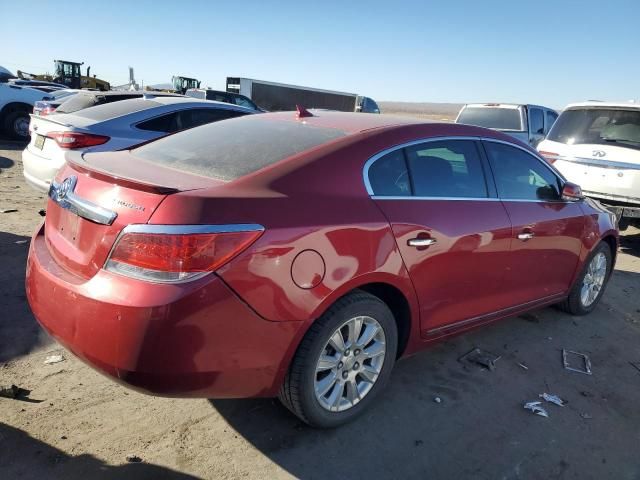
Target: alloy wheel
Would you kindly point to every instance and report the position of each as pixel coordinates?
(350, 363)
(593, 279)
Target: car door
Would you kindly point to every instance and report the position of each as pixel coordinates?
(451, 230)
(547, 231)
(536, 125)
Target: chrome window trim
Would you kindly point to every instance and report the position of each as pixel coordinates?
(63, 195)
(190, 229)
(381, 154)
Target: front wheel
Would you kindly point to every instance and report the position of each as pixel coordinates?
(343, 362)
(16, 124)
(590, 286)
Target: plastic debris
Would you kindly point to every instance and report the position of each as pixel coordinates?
(553, 399)
(481, 357)
(51, 359)
(437, 400)
(9, 210)
(586, 416)
(581, 358)
(20, 242)
(536, 407)
(131, 458)
(522, 365)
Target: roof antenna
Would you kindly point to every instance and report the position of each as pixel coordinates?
(302, 112)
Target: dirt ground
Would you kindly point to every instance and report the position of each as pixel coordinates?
(78, 424)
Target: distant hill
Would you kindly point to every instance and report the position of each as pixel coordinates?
(431, 111)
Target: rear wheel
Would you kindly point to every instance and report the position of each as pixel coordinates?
(590, 286)
(343, 362)
(16, 124)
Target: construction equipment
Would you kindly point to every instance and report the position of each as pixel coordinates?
(182, 84)
(69, 74)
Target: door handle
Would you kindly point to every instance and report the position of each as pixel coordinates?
(524, 236)
(421, 242)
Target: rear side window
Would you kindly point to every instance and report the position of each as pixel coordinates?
(388, 176)
(164, 123)
(117, 109)
(234, 148)
(176, 121)
(521, 176)
(536, 121)
(450, 168)
(78, 102)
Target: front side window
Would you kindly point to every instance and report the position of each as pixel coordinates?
(536, 121)
(521, 176)
(449, 168)
(388, 176)
(551, 119)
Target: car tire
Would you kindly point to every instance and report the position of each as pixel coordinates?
(14, 125)
(301, 389)
(579, 304)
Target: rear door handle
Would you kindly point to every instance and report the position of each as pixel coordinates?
(421, 242)
(524, 236)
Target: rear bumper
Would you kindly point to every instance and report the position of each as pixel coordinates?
(194, 340)
(39, 171)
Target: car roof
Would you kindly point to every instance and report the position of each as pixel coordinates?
(125, 93)
(506, 105)
(348, 122)
(598, 103)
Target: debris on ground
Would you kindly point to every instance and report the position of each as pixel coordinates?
(481, 357)
(13, 391)
(536, 407)
(437, 400)
(586, 416)
(584, 363)
(42, 212)
(20, 242)
(51, 359)
(9, 210)
(522, 365)
(133, 458)
(553, 399)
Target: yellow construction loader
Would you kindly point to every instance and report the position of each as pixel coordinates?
(69, 74)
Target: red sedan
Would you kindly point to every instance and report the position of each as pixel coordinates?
(301, 256)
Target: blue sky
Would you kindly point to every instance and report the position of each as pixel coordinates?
(548, 52)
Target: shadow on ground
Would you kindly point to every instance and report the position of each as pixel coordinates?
(630, 244)
(49, 462)
(479, 429)
(19, 331)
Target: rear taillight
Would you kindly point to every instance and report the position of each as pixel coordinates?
(46, 111)
(177, 253)
(550, 157)
(77, 140)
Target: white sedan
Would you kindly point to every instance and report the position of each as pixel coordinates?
(113, 126)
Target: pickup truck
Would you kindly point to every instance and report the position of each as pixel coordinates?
(16, 103)
(597, 145)
(527, 123)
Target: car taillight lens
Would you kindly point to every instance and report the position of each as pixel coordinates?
(176, 257)
(550, 157)
(77, 140)
(47, 111)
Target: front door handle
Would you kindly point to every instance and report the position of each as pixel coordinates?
(524, 236)
(421, 242)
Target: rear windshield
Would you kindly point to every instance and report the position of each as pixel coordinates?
(116, 109)
(599, 126)
(233, 148)
(497, 118)
(77, 102)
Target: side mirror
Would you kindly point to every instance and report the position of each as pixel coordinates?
(571, 192)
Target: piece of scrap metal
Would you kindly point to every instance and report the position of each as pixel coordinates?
(585, 366)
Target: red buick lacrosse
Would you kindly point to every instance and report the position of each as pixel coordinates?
(302, 255)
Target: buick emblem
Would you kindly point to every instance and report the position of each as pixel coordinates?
(599, 153)
(65, 187)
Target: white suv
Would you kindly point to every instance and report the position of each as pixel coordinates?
(597, 145)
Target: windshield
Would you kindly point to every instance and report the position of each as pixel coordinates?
(599, 126)
(490, 117)
(233, 148)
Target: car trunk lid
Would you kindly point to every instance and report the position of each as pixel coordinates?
(94, 198)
